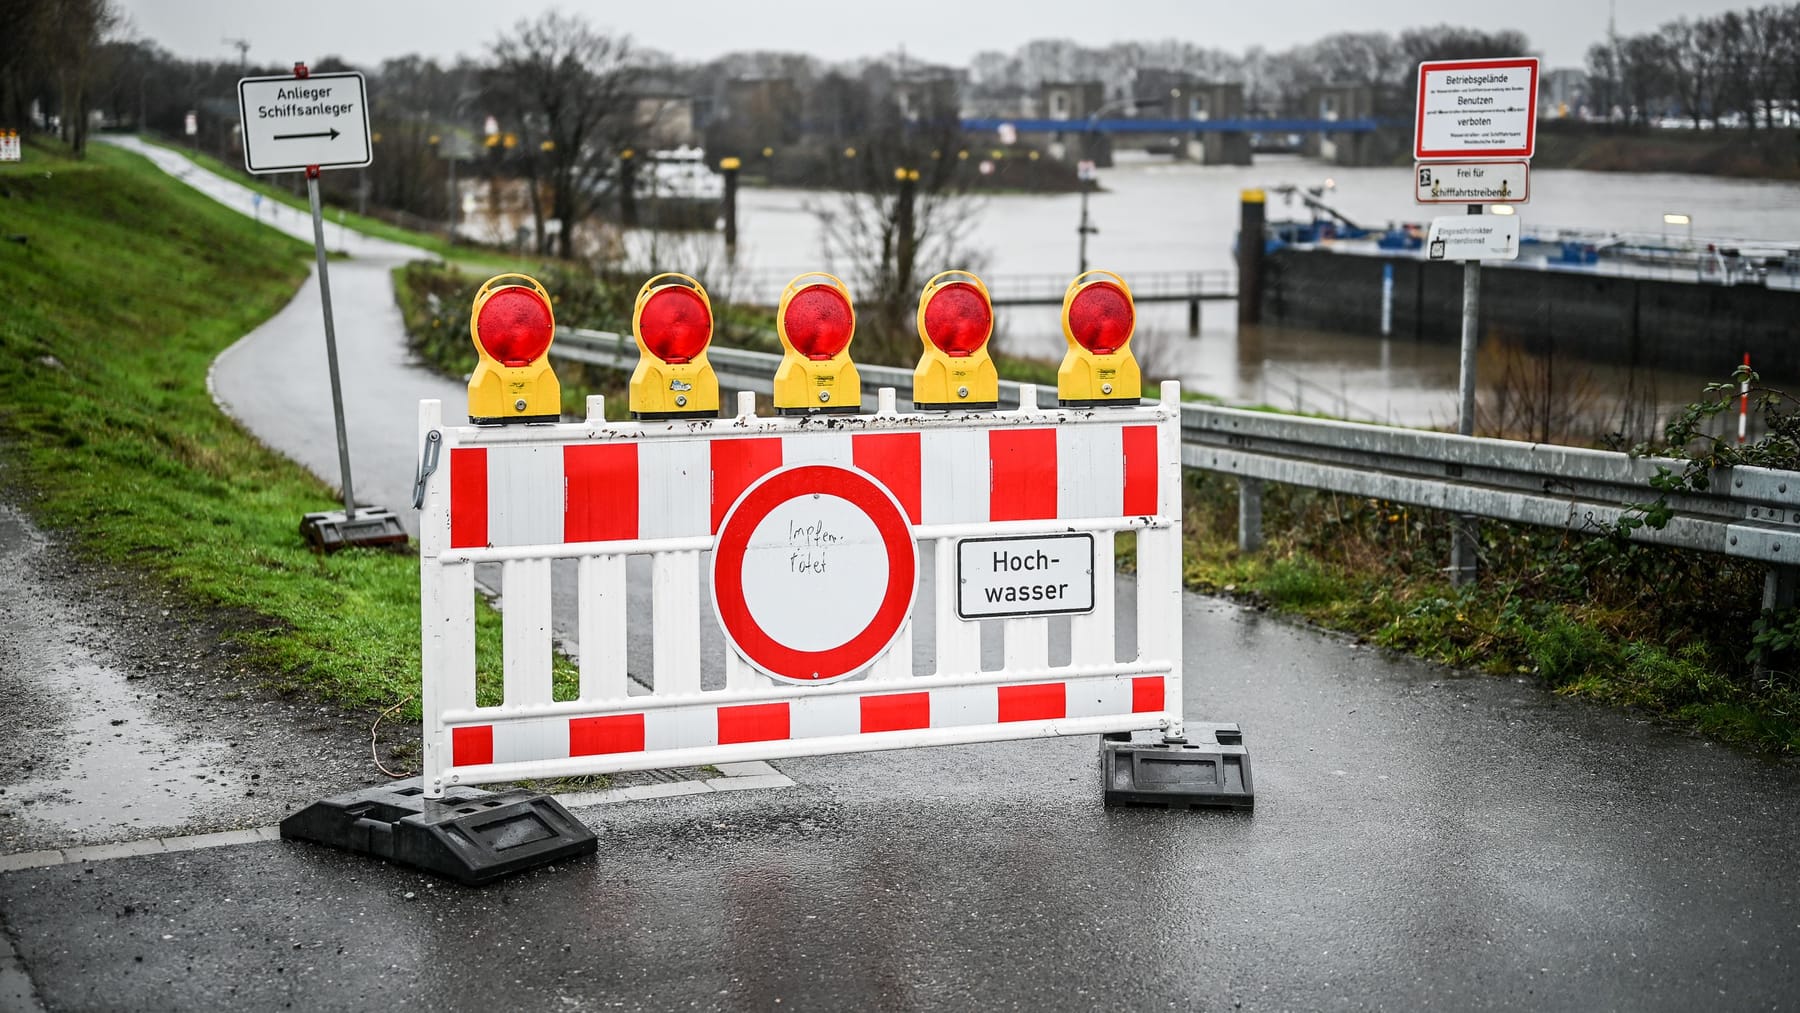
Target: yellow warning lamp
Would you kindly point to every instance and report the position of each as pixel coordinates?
(673, 324)
(956, 318)
(816, 322)
(512, 326)
(1098, 317)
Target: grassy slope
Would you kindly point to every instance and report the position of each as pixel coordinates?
(129, 285)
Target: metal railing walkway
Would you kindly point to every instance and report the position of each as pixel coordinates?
(763, 287)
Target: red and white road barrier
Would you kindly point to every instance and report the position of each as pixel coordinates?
(804, 542)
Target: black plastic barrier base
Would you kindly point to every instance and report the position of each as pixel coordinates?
(332, 530)
(469, 835)
(1210, 770)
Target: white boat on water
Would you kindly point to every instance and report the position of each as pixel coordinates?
(678, 175)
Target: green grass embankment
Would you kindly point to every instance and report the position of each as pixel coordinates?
(125, 287)
(473, 257)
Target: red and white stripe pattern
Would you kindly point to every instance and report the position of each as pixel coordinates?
(624, 489)
(598, 492)
(550, 738)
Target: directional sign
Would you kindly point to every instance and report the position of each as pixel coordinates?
(1477, 108)
(1473, 237)
(1506, 181)
(294, 122)
(1030, 576)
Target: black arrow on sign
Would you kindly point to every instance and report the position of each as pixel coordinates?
(332, 133)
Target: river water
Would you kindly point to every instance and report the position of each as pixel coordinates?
(1157, 216)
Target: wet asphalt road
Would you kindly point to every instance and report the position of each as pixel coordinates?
(1421, 839)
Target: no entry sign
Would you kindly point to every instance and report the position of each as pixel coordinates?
(814, 573)
(1477, 108)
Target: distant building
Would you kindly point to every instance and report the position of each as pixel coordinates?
(1173, 95)
(1070, 100)
(1339, 102)
(664, 120)
(929, 93)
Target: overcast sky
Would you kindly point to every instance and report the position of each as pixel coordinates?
(365, 32)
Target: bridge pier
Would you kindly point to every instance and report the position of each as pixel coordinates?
(1193, 318)
(1250, 256)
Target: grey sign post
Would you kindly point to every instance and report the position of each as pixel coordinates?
(308, 123)
(1473, 110)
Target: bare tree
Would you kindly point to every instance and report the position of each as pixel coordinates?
(1760, 62)
(567, 87)
(51, 55)
(902, 212)
(1691, 66)
(1603, 84)
(1645, 74)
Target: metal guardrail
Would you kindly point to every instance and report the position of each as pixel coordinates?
(1749, 513)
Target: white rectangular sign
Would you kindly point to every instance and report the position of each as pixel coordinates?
(1477, 108)
(1473, 237)
(1038, 575)
(1476, 182)
(293, 122)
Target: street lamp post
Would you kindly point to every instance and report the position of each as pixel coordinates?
(1085, 170)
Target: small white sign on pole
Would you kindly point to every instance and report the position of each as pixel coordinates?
(294, 122)
(1037, 576)
(1477, 108)
(1505, 181)
(1473, 237)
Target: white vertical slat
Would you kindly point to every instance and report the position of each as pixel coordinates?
(1091, 635)
(1027, 643)
(601, 626)
(674, 488)
(740, 674)
(896, 664)
(1168, 490)
(525, 495)
(525, 618)
(958, 642)
(818, 448)
(1090, 472)
(675, 648)
(446, 617)
(955, 479)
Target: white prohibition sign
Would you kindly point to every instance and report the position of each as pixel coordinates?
(814, 572)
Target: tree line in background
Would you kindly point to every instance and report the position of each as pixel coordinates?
(1739, 67)
(560, 106)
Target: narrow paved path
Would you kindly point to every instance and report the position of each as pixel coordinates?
(275, 380)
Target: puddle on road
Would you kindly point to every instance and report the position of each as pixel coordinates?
(104, 764)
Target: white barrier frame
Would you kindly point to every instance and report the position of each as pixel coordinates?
(447, 606)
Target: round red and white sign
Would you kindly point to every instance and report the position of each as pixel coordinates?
(814, 572)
